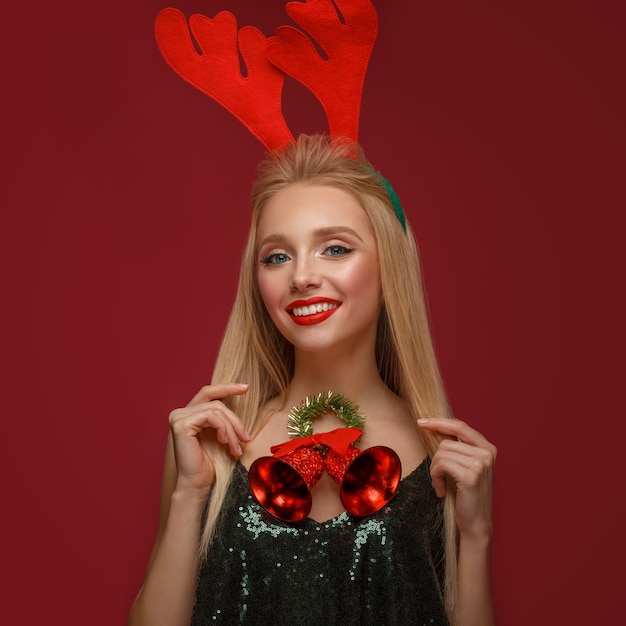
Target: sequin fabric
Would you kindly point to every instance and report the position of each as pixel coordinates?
(382, 569)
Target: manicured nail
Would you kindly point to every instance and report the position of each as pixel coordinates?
(422, 420)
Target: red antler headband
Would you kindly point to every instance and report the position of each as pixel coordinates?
(347, 38)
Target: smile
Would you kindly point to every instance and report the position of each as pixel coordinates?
(314, 311)
(314, 308)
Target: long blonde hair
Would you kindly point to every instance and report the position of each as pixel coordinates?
(254, 352)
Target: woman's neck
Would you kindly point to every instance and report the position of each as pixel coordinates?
(353, 374)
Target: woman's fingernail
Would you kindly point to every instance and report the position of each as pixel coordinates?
(247, 435)
(243, 385)
(422, 420)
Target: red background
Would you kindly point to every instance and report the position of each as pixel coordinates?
(123, 208)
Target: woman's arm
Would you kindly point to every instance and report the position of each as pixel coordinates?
(468, 459)
(167, 595)
(474, 603)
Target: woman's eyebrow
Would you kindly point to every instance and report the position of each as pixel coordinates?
(329, 231)
(275, 239)
(318, 233)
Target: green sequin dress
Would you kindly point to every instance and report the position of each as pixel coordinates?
(381, 569)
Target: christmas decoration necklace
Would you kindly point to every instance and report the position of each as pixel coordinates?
(368, 479)
(300, 418)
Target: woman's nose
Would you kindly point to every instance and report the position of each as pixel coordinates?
(304, 276)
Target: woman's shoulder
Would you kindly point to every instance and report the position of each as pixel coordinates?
(270, 428)
(390, 423)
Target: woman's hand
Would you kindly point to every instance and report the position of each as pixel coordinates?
(203, 420)
(468, 459)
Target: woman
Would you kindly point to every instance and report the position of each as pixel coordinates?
(329, 299)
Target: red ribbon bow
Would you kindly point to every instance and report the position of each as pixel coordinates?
(339, 440)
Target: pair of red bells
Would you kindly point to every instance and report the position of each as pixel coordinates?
(282, 483)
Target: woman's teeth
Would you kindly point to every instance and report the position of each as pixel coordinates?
(301, 311)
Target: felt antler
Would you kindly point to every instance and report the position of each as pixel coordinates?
(337, 82)
(256, 99)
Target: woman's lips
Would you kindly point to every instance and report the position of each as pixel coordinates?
(312, 311)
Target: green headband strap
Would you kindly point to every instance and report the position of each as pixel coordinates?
(395, 201)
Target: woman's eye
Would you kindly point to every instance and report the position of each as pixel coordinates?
(275, 258)
(337, 250)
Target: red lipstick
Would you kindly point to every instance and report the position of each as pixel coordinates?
(312, 318)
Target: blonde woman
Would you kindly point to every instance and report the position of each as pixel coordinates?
(329, 299)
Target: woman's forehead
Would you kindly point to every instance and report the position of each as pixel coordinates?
(308, 208)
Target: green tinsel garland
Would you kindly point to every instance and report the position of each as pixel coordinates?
(300, 423)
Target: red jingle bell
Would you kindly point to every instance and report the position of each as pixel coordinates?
(370, 481)
(336, 464)
(282, 485)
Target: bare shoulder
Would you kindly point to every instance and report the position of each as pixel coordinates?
(271, 429)
(392, 424)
